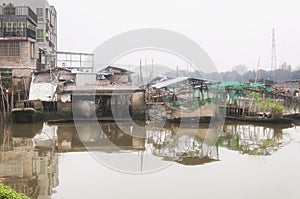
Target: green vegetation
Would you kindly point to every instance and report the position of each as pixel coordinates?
(268, 143)
(8, 193)
(268, 104)
(275, 107)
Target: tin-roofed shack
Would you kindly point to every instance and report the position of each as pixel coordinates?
(107, 101)
(293, 87)
(45, 86)
(112, 91)
(59, 90)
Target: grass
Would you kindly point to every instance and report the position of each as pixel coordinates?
(8, 193)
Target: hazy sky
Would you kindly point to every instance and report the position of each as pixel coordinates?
(232, 32)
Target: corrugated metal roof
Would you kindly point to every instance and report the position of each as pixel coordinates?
(177, 80)
(101, 89)
(169, 82)
(116, 68)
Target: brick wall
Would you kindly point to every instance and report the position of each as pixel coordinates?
(23, 61)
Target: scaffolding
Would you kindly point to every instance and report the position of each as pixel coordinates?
(83, 62)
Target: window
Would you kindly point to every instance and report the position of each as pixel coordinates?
(10, 49)
(6, 77)
(40, 35)
(40, 14)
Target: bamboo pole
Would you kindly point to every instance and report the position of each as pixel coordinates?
(7, 102)
(12, 100)
(2, 97)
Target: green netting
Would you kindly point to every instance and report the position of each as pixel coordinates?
(236, 88)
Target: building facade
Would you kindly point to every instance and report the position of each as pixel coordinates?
(46, 30)
(18, 49)
(28, 43)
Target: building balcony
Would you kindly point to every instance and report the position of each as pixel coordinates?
(17, 32)
(17, 11)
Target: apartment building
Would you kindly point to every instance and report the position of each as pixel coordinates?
(28, 40)
(46, 30)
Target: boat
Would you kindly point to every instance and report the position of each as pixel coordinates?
(26, 115)
(280, 120)
(236, 113)
(294, 116)
(27, 111)
(200, 114)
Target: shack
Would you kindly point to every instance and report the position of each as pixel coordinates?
(107, 101)
(114, 75)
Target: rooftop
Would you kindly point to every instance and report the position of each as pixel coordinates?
(18, 11)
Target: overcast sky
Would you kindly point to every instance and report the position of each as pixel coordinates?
(232, 32)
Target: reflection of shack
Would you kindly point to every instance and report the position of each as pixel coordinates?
(109, 137)
(186, 146)
(47, 139)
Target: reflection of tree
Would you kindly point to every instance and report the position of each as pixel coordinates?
(253, 140)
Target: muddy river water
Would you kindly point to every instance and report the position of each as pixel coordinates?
(111, 160)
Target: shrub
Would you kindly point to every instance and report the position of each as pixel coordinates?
(8, 193)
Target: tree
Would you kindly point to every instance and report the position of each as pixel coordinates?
(240, 69)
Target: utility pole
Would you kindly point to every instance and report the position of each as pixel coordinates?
(141, 74)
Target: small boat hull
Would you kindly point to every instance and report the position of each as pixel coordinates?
(26, 115)
(280, 120)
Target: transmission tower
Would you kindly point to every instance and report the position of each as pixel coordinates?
(273, 59)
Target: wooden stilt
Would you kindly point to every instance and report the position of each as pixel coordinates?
(12, 100)
(2, 97)
(7, 102)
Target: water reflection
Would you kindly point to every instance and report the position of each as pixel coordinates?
(184, 144)
(171, 143)
(29, 160)
(253, 139)
(33, 172)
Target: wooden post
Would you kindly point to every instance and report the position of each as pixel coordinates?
(244, 106)
(2, 97)
(7, 102)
